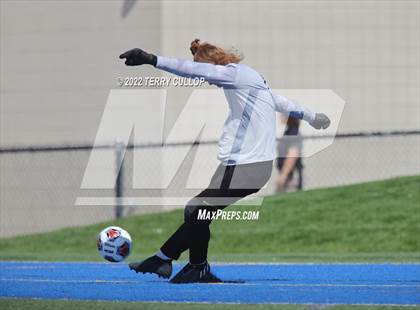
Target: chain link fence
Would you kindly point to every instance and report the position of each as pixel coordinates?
(40, 185)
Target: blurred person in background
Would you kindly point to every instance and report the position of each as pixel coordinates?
(289, 161)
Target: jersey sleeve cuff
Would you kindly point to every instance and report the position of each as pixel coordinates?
(309, 116)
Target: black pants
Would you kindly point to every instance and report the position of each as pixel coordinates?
(228, 184)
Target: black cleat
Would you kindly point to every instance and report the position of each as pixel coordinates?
(153, 264)
(195, 274)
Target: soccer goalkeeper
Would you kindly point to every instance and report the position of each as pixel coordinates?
(246, 150)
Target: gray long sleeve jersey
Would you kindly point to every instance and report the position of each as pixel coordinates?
(249, 132)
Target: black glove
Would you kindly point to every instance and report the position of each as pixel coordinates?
(137, 57)
(320, 121)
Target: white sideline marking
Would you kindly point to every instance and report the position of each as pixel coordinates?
(181, 263)
(240, 284)
(219, 303)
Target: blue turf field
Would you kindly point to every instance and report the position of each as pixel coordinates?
(257, 283)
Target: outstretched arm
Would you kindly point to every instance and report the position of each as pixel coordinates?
(214, 74)
(294, 109)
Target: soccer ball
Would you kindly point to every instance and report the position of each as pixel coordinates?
(114, 244)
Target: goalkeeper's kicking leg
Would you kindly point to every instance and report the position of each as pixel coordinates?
(192, 234)
(229, 184)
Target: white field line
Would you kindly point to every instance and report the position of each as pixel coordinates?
(228, 284)
(221, 303)
(124, 264)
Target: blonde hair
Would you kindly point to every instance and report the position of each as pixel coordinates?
(206, 52)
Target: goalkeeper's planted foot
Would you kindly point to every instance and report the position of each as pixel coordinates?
(192, 273)
(153, 264)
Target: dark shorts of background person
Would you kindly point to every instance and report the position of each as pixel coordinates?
(291, 139)
(228, 185)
